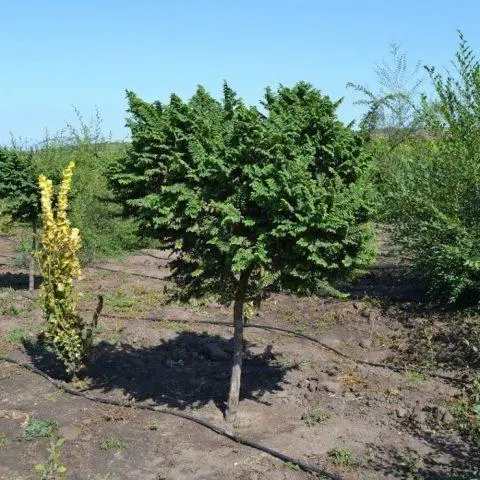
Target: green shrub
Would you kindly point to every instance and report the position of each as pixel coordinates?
(432, 195)
(92, 211)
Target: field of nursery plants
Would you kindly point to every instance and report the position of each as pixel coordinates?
(248, 293)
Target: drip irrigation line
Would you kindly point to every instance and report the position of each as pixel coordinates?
(158, 409)
(136, 274)
(148, 254)
(389, 366)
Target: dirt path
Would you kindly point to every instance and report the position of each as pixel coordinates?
(358, 421)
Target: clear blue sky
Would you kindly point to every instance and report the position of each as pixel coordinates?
(55, 54)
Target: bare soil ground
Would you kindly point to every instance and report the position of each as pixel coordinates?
(358, 421)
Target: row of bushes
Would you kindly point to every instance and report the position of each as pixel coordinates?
(92, 208)
(428, 180)
(423, 174)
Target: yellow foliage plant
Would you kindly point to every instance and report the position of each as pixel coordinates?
(69, 334)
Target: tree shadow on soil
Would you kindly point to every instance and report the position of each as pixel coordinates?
(17, 281)
(189, 370)
(449, 457)
(389, 283)
(435, 333)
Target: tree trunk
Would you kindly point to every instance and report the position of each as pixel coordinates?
(234, 395)
(31, 270)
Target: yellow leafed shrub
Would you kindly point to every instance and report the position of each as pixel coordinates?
(70, 335)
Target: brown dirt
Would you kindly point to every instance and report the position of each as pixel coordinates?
(391, 422)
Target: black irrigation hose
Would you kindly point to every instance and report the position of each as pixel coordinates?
(97, 267)
(389, 366)
(8, 239)
(204, 423)
(148, 254)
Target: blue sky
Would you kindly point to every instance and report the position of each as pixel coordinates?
(58, 54)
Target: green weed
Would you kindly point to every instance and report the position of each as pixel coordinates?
(327, 321)
(303, 365)
(154, 425)
(282, 362)
(467, 412)
(414, 378)
(409, 460)
(113, 443)
(39, 429)
(342, 457)
(315, 415)
(4, 442)
(52, 469)
(113, 337)
(22, 255)
(20, 334)
(120, 302)
(292, 466)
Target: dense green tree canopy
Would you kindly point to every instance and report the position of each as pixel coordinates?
(276, 192)
(18, 184)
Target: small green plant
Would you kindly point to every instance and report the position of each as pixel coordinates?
(113, 337)
(22, 254)
(13, 311)
(155, 425)
(409, 461)
(342, 457)
(120, 302)
(467, 411)
(282, 362)
(292, 466)
(113, 443)
(315, 415)
(303, 365)
(414, 378)
(327, 321)
(53, 469)
(18, 335)
(4, 442)
(39, 428)
(6, 222)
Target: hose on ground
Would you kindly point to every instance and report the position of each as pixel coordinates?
(159, 409)
(389, 366)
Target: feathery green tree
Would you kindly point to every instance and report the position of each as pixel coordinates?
(20, 194)
(250, 202)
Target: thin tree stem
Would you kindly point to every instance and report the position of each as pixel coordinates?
(31, 270)
(235, 382)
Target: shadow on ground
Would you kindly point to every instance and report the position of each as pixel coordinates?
(390, 283)
(189, 370)
(17, 281)
(448, 459)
